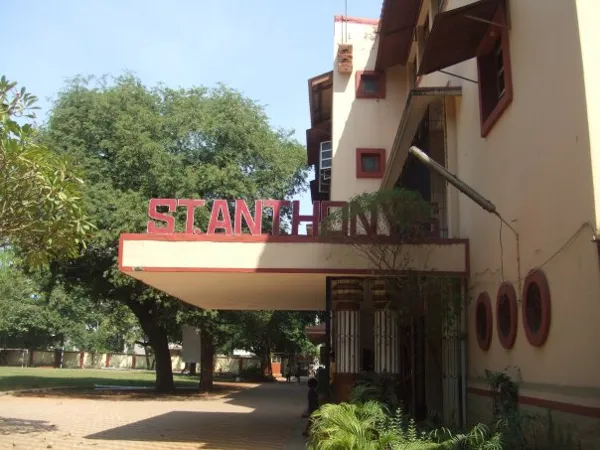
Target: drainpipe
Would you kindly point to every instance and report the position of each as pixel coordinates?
(472, 194)
(463, 352)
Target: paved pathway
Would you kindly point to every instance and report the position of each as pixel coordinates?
(260, 417)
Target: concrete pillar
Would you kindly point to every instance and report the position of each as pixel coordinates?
(387, 354)
(347, 295)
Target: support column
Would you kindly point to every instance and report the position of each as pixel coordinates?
(387, 343)
(347, 295)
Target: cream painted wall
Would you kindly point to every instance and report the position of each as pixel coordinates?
(588, 12)
(361, 123)
(536, 167)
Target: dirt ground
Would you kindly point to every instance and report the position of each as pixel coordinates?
(238, 416)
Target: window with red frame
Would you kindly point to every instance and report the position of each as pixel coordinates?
(495, 78)
(370, 162)
(370, 84)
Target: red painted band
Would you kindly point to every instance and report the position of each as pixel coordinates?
(569, 408)
(357, 20)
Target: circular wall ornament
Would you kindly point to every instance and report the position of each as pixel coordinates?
(506, 315)
(483, 321)
(536, 308)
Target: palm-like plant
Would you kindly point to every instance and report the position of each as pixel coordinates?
(348, 427)
(368, 426)
(480, 437)
(363, 426)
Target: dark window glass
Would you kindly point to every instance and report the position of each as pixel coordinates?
(370, 84)
(504, 316)
(481, 322)
(370, 163)
(534, 307)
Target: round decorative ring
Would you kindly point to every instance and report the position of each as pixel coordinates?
(537, 308)
(506, 315)
(483, 321)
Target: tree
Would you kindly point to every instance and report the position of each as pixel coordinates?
(381, 227)
(23, 321)
(40, 196)
(39, 313)
(264, 332)
(134, 143)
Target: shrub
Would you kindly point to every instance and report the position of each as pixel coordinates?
(369, 426)
(382, 388)
(254, 374)
(351, 427)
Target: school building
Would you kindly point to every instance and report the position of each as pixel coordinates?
(489, 109)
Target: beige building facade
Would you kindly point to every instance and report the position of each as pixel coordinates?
(481, 88)
(504, 95)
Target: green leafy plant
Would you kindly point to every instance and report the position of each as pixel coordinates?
(369, 426)
(351, 427)
(523, 430)
(41, 212)
(133, 143)
(376, 387)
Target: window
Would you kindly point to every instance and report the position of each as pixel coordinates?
(483, 321)
(324, 180)
(506, 315)
(325, 155)
(370, 84)
(495, 79)
(536, 308)
(324, 166)
(370, 162)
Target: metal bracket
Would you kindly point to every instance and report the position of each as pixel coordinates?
(489, 22)
(458, 76)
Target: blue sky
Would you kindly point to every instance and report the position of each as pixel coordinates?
(265, 48)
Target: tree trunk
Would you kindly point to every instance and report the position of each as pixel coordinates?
(159, 341)
(265, 362)
(192, 369)
(162, 357)
(206, 360)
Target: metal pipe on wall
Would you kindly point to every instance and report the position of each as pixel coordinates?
(463, 352)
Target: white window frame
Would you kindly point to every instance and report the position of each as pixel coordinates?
(321, 150)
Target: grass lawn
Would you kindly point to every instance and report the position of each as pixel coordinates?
(14, 378)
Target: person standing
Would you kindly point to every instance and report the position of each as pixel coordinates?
(313, 403)
(331, 367)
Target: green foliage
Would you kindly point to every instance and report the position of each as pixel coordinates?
(402, 217)
(370, 426)
(254, 374)
(23, 320)
(264, 332)
(400, 213)
(38, 313)
(40, 196)
(382, 388)
(523, 430)
(350, 427)
(133, 143)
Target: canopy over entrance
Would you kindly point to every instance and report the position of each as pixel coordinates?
(279, 272)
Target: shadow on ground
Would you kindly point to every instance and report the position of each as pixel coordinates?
(20, 426)
(264, 419)
(10, 382)
(180, 394)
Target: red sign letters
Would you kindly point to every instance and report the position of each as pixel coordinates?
(221, 221)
